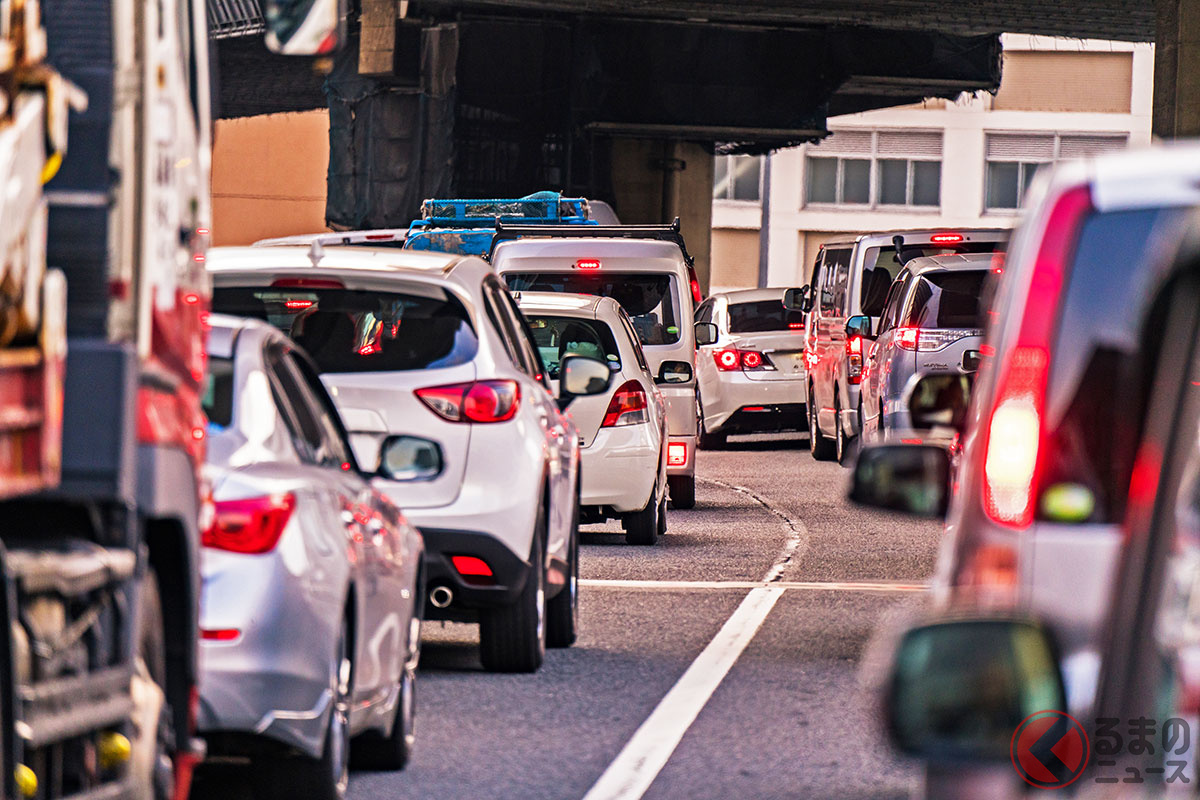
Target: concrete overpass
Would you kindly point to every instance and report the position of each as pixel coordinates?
(626, 100)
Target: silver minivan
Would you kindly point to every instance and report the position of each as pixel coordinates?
(850, 282)
(653, 281)
(932, 322)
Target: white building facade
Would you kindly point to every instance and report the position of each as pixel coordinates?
(961, 163)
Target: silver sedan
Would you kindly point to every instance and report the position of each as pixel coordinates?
(312, 581)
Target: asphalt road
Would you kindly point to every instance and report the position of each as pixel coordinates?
(774, 706)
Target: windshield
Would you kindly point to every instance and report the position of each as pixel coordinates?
(885, 258)
(649, 299)
(761, 316)
(948, 300)
(361, 331)
(559, 337)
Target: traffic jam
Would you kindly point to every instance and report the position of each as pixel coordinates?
(502, 503)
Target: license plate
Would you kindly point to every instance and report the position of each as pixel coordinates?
(787, 361)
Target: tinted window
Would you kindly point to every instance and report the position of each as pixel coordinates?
(891, 307)
(1099, 375)
(559, 337)
(650, 300)
(947, 300)
(835, 277)
(218, 392)
(357, 331)
(763, 315)
(885, 258)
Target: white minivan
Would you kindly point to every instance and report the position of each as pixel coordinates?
(647, 270)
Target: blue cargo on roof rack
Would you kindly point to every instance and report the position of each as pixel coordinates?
(466, 226)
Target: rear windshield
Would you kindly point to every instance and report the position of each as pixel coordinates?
(559, 337)
(649, 299)
(948, 300)
(884, 259)
(761, 316)
(360, 331)
(1099, 366)
(218, 392)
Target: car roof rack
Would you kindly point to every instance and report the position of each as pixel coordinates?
(662, 233)
(539, 207)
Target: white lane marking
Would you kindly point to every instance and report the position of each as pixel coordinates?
(819, 586)
(643, 757)
(797, 541)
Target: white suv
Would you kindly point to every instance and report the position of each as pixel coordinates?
(433, 345)
(624, 430)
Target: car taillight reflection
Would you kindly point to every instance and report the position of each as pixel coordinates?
(252, 525)
(478, 401)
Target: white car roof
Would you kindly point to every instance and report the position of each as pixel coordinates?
(628, 255)
(752, 295)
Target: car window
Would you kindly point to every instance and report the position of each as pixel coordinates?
(530, 356)
(885, 258)
(761, 316)
(218, 392)
(835, 283)
(1099, 384)
(501, 325)
(947, 300)
(650, 299)
(891, 307)
(334, 445)
(558, 337)
(705, 312)
(638, 352)
(293, 406)
(346, 330)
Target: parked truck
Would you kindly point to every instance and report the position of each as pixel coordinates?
(105, 131)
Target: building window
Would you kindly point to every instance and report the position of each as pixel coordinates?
(1014, 158)
(876, 169)
(737, 178)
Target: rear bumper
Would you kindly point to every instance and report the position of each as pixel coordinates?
(767, 418)
(471, 593)
(733, 391)
(620, 467)
(688, 467)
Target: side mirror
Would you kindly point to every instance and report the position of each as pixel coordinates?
(674, 372)
(939, 401)
(961, 688)
(409, 458)
(910, 478)
(706, 333)
(580, 376)
(859, 326)
(799, 299)
(305, 27)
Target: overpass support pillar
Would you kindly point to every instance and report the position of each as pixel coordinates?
(656, 180)
(1177, 69)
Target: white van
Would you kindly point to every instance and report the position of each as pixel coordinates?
(647, 270)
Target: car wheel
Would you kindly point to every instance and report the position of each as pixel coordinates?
(562, 613)
(683, 491)
(839, 435)
(153, 668)
(327, 777)
(662, 514)
(705, 440)
(641, 527)
(821, 448)
(513, 638)
(393, 752)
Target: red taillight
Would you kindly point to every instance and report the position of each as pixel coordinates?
(473, 570)
(694, 282)
(380, 237)
(220, 634)
(751, 359)
(252, 526)
(676, 454)
(854, 359)
(481, 401)
(298, 305)
(627, 407)
(796, 326)
(1012, 451)
(308, 283)
(587, 263)
(726, 360)
(946, 238)
(732, 359)
(908, 338)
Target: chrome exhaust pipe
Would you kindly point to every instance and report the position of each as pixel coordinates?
(441, 596)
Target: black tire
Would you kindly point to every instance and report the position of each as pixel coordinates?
(704, 439)
(562, 612)
(842, 448)
(662, 515)
(327, 777)
(153, 652)
(682, 489)
(513, 638)
(641, 527)
(394, 751)
(821, 448)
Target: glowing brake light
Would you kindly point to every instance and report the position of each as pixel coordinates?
(751, 360)
(733, 359)
(854, 359)
(796, 326)
(676, 454)
(694, 282)
(481, 401)
(587, 263)
(1013, 448)
(251, 526)
(298, 305)
(473, 570)
(220, 634)
(946, 238)
(627, 407)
